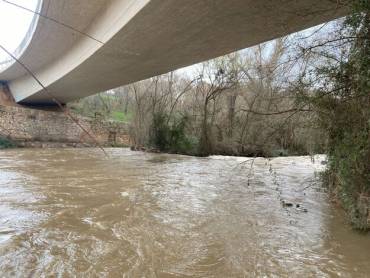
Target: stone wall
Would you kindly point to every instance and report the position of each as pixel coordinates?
(31, 127)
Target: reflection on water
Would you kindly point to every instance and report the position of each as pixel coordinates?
(77, 213)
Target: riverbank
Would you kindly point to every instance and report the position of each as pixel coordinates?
(35, 128)
(275, 153)
(27, 127)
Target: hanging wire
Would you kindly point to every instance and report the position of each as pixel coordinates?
(29, 71)
(53, 20)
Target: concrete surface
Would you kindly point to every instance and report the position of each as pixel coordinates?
(144, 38)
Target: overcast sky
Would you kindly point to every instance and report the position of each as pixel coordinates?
(14, 23)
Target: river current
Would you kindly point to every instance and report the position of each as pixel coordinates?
(78, 213)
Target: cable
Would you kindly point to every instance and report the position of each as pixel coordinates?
(53, 20)
(60, 105)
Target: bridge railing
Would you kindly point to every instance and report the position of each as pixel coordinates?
(25, 42)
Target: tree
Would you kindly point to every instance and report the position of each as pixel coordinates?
(338, 78)
(216, 77)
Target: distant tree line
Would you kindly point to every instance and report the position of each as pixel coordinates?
(239, 104)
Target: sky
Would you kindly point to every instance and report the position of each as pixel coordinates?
(14, 23)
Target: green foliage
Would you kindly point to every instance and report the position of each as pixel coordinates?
(6, 144)
(121, 116)
(170, 134)
(344, 104)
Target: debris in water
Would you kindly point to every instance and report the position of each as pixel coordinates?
(286, 204)
(125, 194)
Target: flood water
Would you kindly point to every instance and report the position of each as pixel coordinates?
(77, 213)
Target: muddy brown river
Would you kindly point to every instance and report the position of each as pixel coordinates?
(77, 213)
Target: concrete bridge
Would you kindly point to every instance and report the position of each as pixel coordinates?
(89, 46)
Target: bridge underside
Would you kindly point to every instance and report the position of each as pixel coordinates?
(147, 38)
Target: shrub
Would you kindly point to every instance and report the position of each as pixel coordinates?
(343, 99)
(169, 135)
(6, 143)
